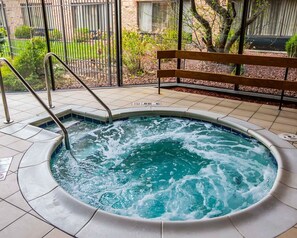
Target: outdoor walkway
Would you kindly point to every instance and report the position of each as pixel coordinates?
(18, 220)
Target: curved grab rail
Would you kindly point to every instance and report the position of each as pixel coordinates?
(31, 90)
(4, 101)
(46, 58)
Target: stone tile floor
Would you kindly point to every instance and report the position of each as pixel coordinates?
(18, 219)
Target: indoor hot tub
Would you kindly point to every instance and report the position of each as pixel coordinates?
(159, 172)
(164, 168)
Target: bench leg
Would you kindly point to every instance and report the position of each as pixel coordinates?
(159, 85)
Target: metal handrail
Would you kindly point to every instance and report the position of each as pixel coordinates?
(46, 58)
(6, 111)
(31, 90)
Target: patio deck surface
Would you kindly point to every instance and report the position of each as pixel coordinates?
(18, 219)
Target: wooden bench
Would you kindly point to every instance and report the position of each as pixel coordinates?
(281, 84)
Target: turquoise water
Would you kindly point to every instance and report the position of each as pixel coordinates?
(164, 168)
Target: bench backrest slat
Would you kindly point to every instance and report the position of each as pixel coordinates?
(230, 58)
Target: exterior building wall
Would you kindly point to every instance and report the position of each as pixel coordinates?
(13, 14)
(269, 24)
(129, 14)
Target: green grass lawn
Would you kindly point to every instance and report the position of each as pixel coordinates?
(75, 50)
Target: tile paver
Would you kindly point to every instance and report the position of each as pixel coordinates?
(241, 112)
(7, 152)
(283, 127)
(229, 103)
(292, 233)
(20, 145)
(185, 103)
(4, 167)
(27, 132)
(8, 139)
(15, 162)
(288, 114)
(202, 106)
(212, 100)
(9, 214)
(221, 109)
(249, 106)
(268, 111)
(263, 123)
(264, 117)
(55, 233)
(9, 186)
(18, 200)
(285, 120)
(23, 228)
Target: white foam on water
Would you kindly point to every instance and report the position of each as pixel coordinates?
(232, 170)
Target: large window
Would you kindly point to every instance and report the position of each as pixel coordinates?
(279, 19)
(153, 17)
(2, 20)
(91, 16)
(32, 15)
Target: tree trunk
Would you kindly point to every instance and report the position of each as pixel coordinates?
(207, 39)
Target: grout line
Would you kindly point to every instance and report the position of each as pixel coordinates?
(272, 195)
(42, 194)
(48, 232)
(293, 227)
(229, 218)
(279, 111)
(162, 229)
(18, 206)
(12, 222)
(87, 222)
(11, 195)
(288, 171)
(287, 185)
(234, 109)
(29, 166)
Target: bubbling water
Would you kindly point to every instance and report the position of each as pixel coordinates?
(164, 168)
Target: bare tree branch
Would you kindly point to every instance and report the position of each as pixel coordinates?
(248, 22)
(216, 6)
(233, 10)
(227, 15)
(227, 20)
(207, 39)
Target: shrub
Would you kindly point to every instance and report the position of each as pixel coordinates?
(29, 63)
(81, 35)
(135, 46)
(291, 46)
(55, 34)
(2, 43)
(30, 60)
(169, 39)
(23, 32)
(11, 83)
(3, 31)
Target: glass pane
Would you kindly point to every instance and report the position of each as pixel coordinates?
(145, 16)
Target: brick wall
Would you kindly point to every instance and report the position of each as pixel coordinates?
(13, 14)
(129, 14)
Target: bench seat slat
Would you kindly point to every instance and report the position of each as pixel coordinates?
(232, 79)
